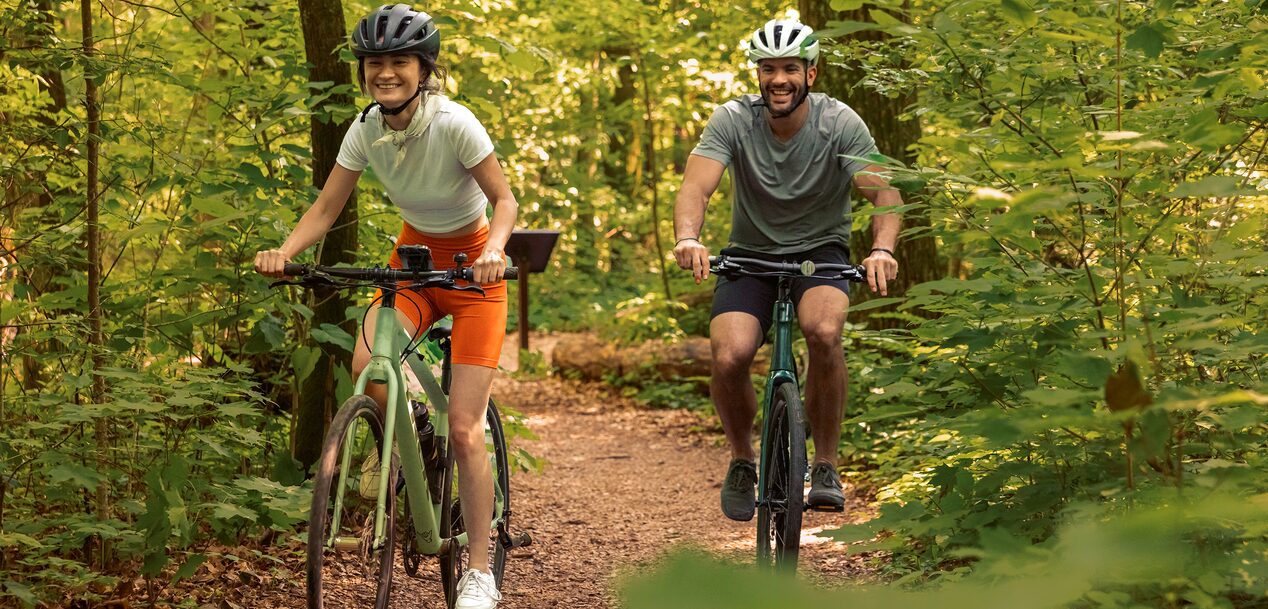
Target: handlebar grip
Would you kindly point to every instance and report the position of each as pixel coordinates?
(511, 272)
(292, 269)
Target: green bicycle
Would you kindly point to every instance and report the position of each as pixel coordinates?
(352, 528)
(782, 462)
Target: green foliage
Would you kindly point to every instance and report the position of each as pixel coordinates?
(1117, 557)
(1084, 412)
(532, 365)
(1092, 236)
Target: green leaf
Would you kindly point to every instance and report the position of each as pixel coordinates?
(304, 360)
(8, 540)
(77, 475)
(229, 511)
(154, 562)
(332, 334)
(847, 5)
(1206, 131)
(1210, 186)
(22, 591)
(1083, 368)
(1148, 38)
(1019, 12)
(874, 303)
(836, 29)
(190, 567)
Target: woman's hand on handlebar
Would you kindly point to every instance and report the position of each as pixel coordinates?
(271, 263)
(692, 255)
(489, 267)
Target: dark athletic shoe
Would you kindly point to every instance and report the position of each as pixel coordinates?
(738, 490)
(825, 489)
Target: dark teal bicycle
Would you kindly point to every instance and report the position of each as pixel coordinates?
(781, 468)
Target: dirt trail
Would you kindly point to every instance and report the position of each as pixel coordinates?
(621, 486)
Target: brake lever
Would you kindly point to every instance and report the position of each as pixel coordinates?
(467, 288)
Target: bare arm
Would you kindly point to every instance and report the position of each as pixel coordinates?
(699, 181)
(491, 264)
(881, 265)
(313, 224)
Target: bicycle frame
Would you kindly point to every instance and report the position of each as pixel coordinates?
(389, 341)
(783, 369)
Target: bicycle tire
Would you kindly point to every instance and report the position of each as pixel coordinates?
(454, 562)
(349, 572)
(779, 518)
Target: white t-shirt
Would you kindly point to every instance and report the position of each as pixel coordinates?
(432, 186)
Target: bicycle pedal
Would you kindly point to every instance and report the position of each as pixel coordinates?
(519, 540)
(826, 508)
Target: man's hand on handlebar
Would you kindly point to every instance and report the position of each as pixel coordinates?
(271, 262)
(881, 269)
(692, 255)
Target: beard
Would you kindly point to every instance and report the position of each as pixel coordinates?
(799, 93)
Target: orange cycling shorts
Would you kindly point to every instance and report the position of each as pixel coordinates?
(479, 322)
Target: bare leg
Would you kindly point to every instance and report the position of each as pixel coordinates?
(735, 338)
(821, 313)
(468, 401)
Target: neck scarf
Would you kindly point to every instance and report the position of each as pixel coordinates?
(423, 116)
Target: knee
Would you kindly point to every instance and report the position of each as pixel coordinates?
(730, 361)
(822, 337)
(467, 438)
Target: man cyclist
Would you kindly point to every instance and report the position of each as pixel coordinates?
(788, 151)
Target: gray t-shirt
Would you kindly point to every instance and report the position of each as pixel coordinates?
(789, 196)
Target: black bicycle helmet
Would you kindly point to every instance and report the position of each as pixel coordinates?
(396, 29)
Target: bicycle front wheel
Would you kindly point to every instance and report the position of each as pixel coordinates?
(347, 565)
(455, 562)
(783, 480)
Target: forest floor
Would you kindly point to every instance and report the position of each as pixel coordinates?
(620, 487)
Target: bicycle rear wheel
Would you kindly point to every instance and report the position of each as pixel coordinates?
(779, 517)
(345, 567)
(457, 560)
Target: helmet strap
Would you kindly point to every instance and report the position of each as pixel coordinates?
(401, 108)
(384, 110)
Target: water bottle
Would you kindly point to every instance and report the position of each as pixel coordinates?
(426, 431)
(432, 449)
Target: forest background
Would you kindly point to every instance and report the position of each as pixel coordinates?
(1063, 406)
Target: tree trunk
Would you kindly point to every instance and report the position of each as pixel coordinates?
(324, 30)
(917, 257)
(95, 339)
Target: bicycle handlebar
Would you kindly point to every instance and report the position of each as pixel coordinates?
(734, 265)
(390, 275)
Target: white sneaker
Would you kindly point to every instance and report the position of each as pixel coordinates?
(477, 590)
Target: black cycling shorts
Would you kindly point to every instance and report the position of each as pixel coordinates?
(756, 295)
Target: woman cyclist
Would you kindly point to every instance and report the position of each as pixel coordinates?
(436, 162)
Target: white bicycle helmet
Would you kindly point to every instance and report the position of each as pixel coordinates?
(781, 38)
